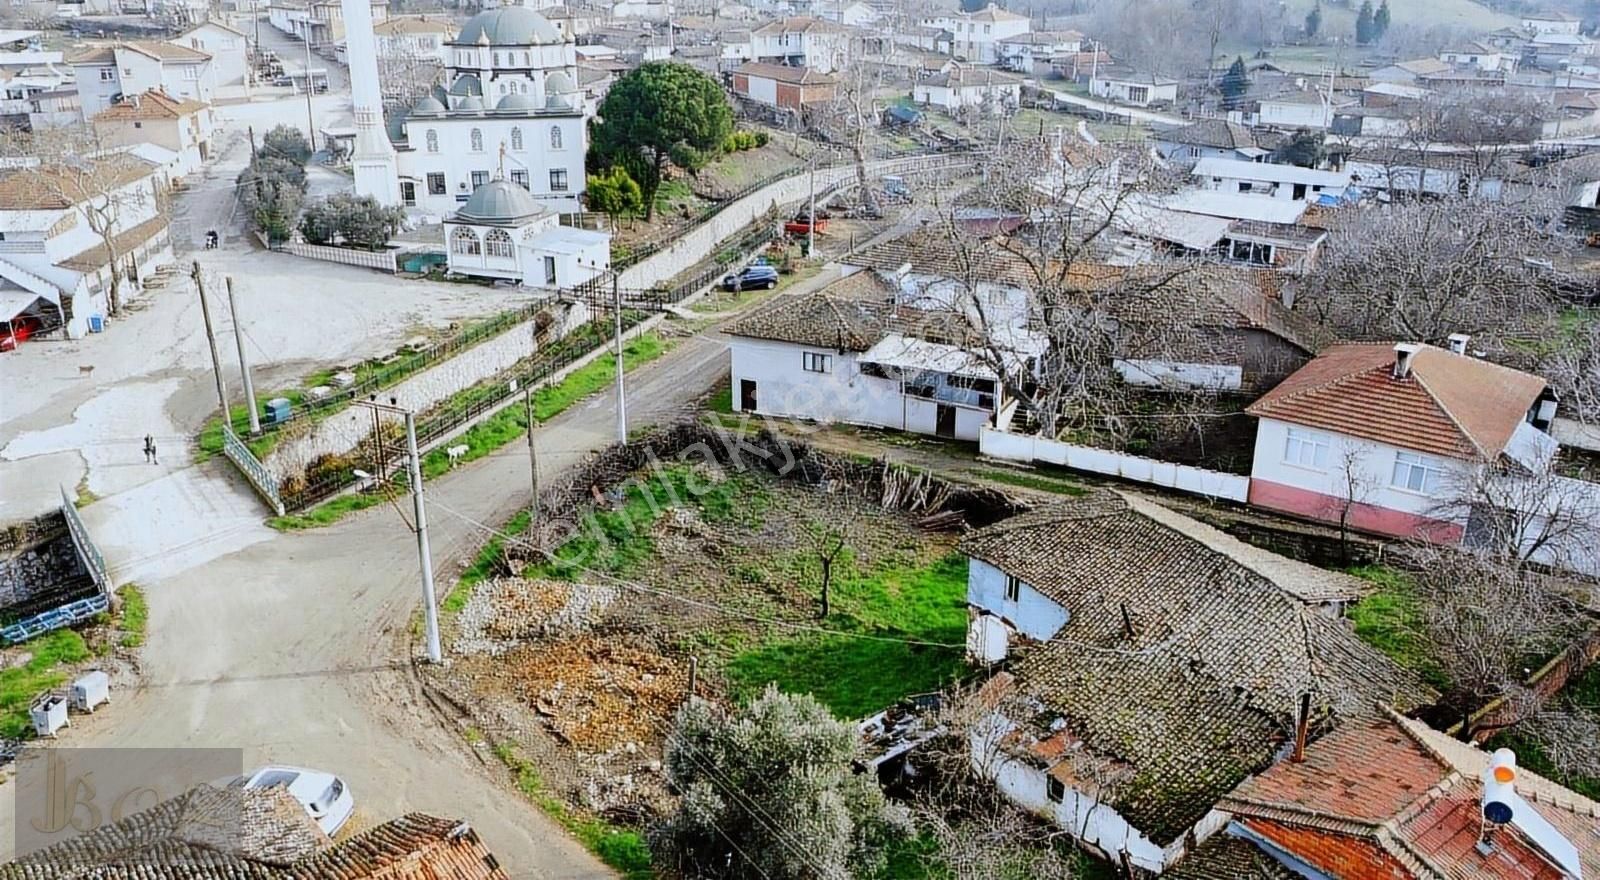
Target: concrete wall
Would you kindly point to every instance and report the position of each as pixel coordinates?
(36, 570)
(1019, 447)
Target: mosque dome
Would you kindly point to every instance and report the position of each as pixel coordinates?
(471, 103)
(509, 26)
(516, 103)
(466, 84)
(499, 202)
(558, 83)
(427, 105)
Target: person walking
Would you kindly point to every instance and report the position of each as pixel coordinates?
(150, 449)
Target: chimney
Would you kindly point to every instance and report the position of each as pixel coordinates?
(1404, 354)
(1458, 343)
(1302, 729)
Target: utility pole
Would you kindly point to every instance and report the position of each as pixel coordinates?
(211, 338)
(622, 401)
(311, 125)
(244, 365)
(430, 607)
(811, 221)
(533, 453)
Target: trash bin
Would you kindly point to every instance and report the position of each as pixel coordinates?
(97, 323)
(89, 691)
(49, 713)
(278, 410)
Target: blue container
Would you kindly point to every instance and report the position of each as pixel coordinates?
(97, 323)
(277, 410)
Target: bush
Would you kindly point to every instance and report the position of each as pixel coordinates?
(320, 222)
(360, 220)
(740, 141)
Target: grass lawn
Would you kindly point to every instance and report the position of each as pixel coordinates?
(622, 849)
(1387, 620)
(135, 616)
(503, 427)
(1030, 480)
(20, 684)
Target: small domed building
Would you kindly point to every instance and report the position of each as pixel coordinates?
(512, 108)
(504, 232)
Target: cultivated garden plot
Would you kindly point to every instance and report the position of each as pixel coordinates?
(582, 655)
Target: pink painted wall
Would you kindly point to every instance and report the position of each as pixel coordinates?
(1363, 517)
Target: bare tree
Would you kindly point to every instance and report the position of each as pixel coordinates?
(850, 119)
(1356, 485)
(1572, 367)
(1526, 513)
(827, 542)
(407, 72)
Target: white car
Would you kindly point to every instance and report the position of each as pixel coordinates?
(325, 796)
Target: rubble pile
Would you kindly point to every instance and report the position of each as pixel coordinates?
(505, 612)
(597, 694)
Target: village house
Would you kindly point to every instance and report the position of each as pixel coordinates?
(1273, 180)
(502, 232)
(787, 88)
(1031, 53)
(1130, 87)
(1551, 23)
(418, 38)
(1153, 665)
(1411, 72)
(1299, 108)
(229, 50)
(184, 127)
(801, 41)
(54, 267)
(1389, 796)
(1479, 56)
(856, 14)
(319, 22)
(105, 74)
(1215, 139)
(1079, 66)
(976, 36)
(1388, 438)
(960, 86)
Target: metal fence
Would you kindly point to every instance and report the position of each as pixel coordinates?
(87, 551)
(266, 485)
(383, 261)
(81, 609)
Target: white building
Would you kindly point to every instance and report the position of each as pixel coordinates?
(977, 35)
(1290, 182)
(413, 38)
(1300, 108)
(855, 14)
(1479, 56)
(106, 73)
(1128, 87)
(1551, 23)
(513, 106)
(185, 128)
(1031, 53)
(961, 86)
(1389, 438)
(502, 232)
(229, 50)
(54, 268)
(801, 41)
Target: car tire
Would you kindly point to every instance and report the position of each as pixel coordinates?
(771, 284)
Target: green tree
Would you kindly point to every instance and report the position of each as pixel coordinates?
(769, 792)
(365, 222)
(1380, 21)
(286, 142)
(271, 190)
(614, 192)
(658, 112)
(1234, 84)
(319, 223)
(1303, 148)
(1314, 20)
(1364, 23)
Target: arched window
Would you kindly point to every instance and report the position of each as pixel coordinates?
(433, 141)
(465, 241)
(497, 244)
(516, 138)
(555, 137)
(477, 140)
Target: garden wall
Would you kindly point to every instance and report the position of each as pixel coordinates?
(1199, 481)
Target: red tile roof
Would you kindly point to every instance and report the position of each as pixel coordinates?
(1450, 405)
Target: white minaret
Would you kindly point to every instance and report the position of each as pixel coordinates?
(376, 174)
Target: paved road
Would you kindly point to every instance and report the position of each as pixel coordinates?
(296, 648)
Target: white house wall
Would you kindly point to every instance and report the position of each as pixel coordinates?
(1295, 115)
(1031, 614)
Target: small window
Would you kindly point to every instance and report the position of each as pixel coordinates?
(137, 124)
(107, 74)
(519, 176)
(1013, 588)
(408, 193)
(436, 185)
(1055, 789)
(1246, 186)
(432, 138)
(555, 137)
(516, 138)
(477, 140)
(558, 180)
(814, 362)
(550, 270)
(1306, 448)
(1416, 473)
(479, 178)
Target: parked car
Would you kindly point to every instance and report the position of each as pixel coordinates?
(750, 278)
(325, 796)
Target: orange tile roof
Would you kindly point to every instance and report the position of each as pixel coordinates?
(154, 104)
(35, 189)
(1450, 405)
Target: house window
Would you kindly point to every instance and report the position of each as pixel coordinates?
(1416, 473)
(813, 362)
(1306, 448)
(558, 180)
(138, 125)
(1054, 789)
(1246, 186)
(498, 244)
(191, 72)
(1138, 94)
(107, 74)
(465, 241)
(1013, 588)
(477, 140)
(432, 138)
(479, 178)
(436, 184)
(555, 138)
(408, 192)
(516, 138)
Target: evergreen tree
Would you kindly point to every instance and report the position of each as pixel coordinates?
(1234, 84)
(660, 112)
(1314, 20)
(1380, 21)
(1304, 148)
(1364, 23)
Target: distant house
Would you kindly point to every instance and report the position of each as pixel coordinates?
(107, 73)
(1388, 438)
(1272, 180)
(1551, 23)
(856, 14)
(801, 41)
(229, 50)
(1479, 56)
(788, 88)
(1032, 53)
(413, 38)
(185, 127)
(1411, 72)
(976, 36)
(1299, 108)
(1149, 669)
(1214, 139)
(1130, 87)
(963, 86)
(1405, 802)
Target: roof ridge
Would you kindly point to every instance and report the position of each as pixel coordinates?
(1438, 402)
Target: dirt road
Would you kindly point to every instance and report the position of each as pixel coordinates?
(295, 648)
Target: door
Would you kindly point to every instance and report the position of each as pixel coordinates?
(550, 271)
(944, 421)
(747, 395)
(408, 193)
(1299, 192)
